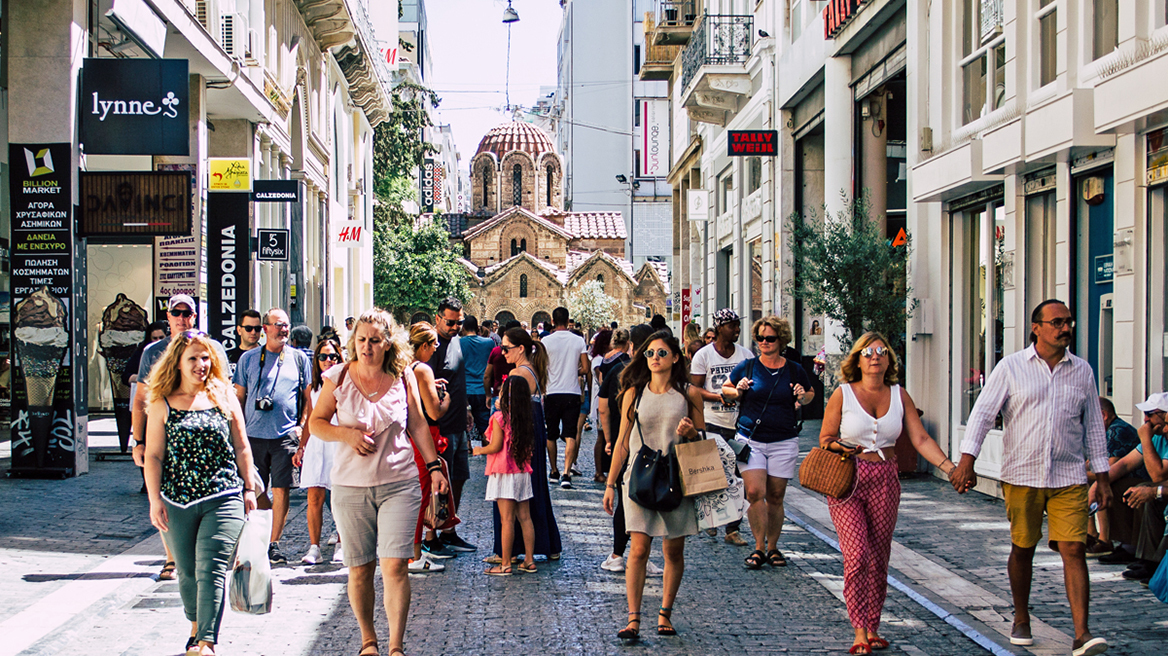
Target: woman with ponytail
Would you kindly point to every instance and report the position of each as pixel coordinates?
(531, 363)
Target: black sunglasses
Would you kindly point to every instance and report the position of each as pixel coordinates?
(252, 329)
(505, 349)
(453, 322)
(769, 339)
(186, 314)
(329, 357)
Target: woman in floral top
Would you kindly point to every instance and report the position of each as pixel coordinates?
(196, 449)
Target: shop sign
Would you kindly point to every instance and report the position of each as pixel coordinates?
(273, 245)
(42, 290)
(686, 307)
(654, 138)
(433, 175)
(176, 270)
(228, 264)
(1158, 157)
(229, 174)
(135, 107)
(150, 203)
(1104, 269)
(741, 143)
(837, 14)
(276, 191)
(697, 204)
(349, 234)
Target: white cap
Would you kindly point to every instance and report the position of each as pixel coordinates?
(1155, 403)
(181, 298)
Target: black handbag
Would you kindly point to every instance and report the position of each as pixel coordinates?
(741, 450)
(655, 481)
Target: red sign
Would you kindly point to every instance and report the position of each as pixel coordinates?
(686, 307)
(752, 142)
(837, 14)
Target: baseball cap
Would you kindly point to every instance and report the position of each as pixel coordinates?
(1156, 403)
(725, 316)
(181, 298)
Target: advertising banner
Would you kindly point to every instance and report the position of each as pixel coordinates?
(348, 234)
(686, 307)
(229, 174)
(228, 264)
(43, 431)
(135, 107)
(148, 203)
(654, 138)
(433, 175)
(697, 205)
(740, 143)
(275, 191)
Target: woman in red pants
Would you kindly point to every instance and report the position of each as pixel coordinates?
(865, 416)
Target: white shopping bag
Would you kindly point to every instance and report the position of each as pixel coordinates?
(250, 587)
(723, 506)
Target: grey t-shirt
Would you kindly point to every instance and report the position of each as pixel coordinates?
(153, 353)
(284, 377)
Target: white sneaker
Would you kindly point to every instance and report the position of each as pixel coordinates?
(312, 557)
(653, 570)
(613, 564)
(338, 555)
(333, 539)
(424, 565)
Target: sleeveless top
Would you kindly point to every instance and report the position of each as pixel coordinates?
(501, 462)
(392, 460)
(200, 459)
(859, 427)
(429, 421)
(537, 395)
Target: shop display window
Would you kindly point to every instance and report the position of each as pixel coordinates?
(982, 295)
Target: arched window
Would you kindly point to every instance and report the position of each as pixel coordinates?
(550, 178)
(486, 184)
(523, 286)
(600, 279)
(514, 248)
(517, 185)
(523, 245)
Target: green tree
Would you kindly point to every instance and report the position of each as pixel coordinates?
(398, 148)
(415, 267)
(590, 306)
(847, 271)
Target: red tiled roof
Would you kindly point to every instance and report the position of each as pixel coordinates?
(594, 225)
(509, 137)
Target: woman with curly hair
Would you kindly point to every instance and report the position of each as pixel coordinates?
(376, 496)
(196, 458)
(659, 409)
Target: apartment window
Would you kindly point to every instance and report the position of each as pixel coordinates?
(726, 191)
(636, 60)
(984, 50)
(1106, 23)
(802, 13)
(1047, 16)
(753, 174)
(1160, 19)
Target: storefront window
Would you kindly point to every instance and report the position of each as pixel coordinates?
(984, 322)
(753, 174)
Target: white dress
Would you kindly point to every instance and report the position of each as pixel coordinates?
(318, 458)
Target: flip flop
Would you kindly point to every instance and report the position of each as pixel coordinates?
(860, 648)
(498, 571)
(528, 569)
(878, 643)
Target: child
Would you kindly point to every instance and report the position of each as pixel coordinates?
(512, 437)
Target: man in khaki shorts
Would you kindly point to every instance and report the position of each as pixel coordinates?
(1053, 429)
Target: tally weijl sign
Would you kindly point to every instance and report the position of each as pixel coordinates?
(135, 107)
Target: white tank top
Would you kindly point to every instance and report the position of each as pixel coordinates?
(859, 427)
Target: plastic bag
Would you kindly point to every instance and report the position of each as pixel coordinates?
(250, 588)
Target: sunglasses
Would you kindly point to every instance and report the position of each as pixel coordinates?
(186, 314)
(453, 322)
(769, 339)
(878, 351)
(252, 329)
(506, 349)
(659, 353)
(329, 357)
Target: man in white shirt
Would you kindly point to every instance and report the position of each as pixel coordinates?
(710, 368)
(567, 361)
(1053, 429)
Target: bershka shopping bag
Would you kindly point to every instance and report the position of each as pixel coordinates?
(250, 587)
(719, 508)
(701, 467)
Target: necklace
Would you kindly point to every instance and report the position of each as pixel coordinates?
(361, 388)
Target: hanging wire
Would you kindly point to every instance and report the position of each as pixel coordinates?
(508, 82)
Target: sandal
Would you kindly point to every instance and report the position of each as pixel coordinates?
(397, 650)
(860, 648)
(192, 646)
(629, 633)
(525, 568)
(498, 570)
(665, 629)
(776, 559)
(755, 559)
(877, 643)
(167, 573)
(366, 645)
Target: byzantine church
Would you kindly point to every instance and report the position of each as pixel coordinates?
(524, 255)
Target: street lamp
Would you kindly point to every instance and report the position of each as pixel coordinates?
(509, 14)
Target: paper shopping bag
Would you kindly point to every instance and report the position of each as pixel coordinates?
(701, 467)
(719, 508)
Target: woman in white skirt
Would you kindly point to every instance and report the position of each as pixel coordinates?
(314, 457)
(512, 435)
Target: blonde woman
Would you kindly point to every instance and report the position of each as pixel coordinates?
(196, 448)
(375, 484)
(865, 416)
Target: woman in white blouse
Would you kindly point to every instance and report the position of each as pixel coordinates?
(864, 417)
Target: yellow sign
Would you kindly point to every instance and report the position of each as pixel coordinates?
(229, 174)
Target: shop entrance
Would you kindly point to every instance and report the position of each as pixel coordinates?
(1094, 273)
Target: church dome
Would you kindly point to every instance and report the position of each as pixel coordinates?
(509, 137)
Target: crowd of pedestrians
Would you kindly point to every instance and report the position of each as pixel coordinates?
(378, 427)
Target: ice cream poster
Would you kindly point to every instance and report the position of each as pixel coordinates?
(42, 286)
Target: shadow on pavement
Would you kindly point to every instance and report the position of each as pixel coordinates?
(93, 576)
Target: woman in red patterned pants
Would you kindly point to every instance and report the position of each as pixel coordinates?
(865, 416)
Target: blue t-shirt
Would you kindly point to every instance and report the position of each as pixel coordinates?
(283, 379)
(475, 351)
(1160, 442)
(772, 421)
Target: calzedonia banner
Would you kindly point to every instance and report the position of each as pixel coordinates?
(43, 436)
(228, 263)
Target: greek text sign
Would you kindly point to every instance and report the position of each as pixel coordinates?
(229, 174)
(135, 107)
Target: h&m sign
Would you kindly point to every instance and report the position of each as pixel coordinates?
(135, 107)
(742, 143)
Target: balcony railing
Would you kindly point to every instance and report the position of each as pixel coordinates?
(658, 64)
(718, 40)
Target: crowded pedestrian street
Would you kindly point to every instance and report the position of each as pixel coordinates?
(78, 565)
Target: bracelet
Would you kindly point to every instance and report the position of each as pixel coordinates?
(249, 489)
(611, 485)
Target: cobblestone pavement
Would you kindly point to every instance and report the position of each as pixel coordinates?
(78, 560)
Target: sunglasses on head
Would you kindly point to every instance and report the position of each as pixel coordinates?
(329, 357)
(252, 329)
(769, 339)
(659, 353)
(869, 351)
(186, 314)
(191, 334)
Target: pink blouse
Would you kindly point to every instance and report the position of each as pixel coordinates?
(385, 421)
(501, 462)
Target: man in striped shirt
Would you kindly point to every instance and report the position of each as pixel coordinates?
(1052, 429)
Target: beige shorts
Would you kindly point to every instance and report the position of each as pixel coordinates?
(377, 522)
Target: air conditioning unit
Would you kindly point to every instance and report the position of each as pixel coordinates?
(234, 35)
(207, 13)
